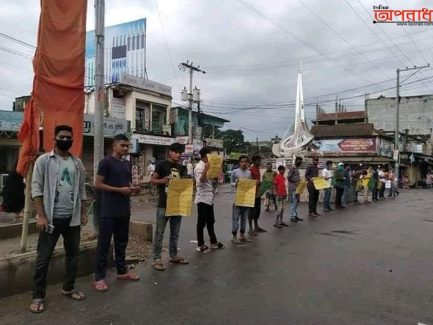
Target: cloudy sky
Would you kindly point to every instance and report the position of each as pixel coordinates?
(251, 51)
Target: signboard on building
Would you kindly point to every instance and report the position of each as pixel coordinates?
(385, 147)
(118, 108)
(349, 146)
(145, 84)
(153, 139)
(182, 140)
(10, 121)
(125, 52)
(112, 126)
(217, 143)
(133, 147)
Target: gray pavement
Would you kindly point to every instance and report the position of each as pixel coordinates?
(364, 265)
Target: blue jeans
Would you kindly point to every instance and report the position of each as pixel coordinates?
(161, 221)
(239, 214)
(346, 193)
(294, 200)
(326, 198)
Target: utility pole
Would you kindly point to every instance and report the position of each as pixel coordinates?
(190, 66)
(397, 119)
(98, 137)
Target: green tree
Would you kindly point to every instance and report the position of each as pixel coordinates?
(233, 140)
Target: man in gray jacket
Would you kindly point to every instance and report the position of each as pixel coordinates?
(58, 191)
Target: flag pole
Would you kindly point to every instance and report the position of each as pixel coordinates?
(27, 209)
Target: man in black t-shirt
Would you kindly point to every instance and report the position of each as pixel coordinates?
(164, 171)
(313, 194)
(114, 181)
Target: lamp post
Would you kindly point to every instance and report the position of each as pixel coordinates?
(190, 95)
(397, 120)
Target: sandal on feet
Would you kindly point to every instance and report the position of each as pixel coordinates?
(278, 226)
(236, 241)
(284, 224)
(158, 266)
(245, 239)
(129, 275)
(100, 285)
(74, 294)
(178, 260)
(37, 306)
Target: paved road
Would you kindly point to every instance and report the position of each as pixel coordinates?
(366, 265)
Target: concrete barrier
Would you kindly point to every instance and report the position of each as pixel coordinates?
(16, 272)
(142, 230)
(14, 230)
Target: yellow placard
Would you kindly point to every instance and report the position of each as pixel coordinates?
(365, 181)
(246, 193)
(216, 165)
(301, 187)
(179, 197)
(320, 183)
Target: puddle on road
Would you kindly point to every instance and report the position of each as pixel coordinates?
(347, 232)
(332, 235)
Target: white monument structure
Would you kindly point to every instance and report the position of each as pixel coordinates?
(291, 144)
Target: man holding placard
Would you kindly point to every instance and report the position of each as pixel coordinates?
(204, 199)
(313, 193)
(254, 213)
(164, 172)
(241, 179)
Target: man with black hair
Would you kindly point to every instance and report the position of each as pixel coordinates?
(294, 178)
(114, 181)
(165, 171)
(254, 213)
(240, 213)
(204, 199)
(313, 194)
(59, 193)
(327, 175)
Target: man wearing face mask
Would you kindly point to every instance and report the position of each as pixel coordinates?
(313, 194)
(58, 192)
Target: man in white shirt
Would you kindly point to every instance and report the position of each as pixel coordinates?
(151, 168)
(327, 175)
(204, 199)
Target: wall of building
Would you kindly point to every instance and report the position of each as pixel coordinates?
(131, 103)
(415, 114)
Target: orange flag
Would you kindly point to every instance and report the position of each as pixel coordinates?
(58, 95)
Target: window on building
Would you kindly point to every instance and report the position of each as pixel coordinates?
(142, 116)
(159, 118)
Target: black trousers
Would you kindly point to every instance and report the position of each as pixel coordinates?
(338, 194)
(255, 212)
(119, 229)
(46, 244)
(205, 218)
(313, 198)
